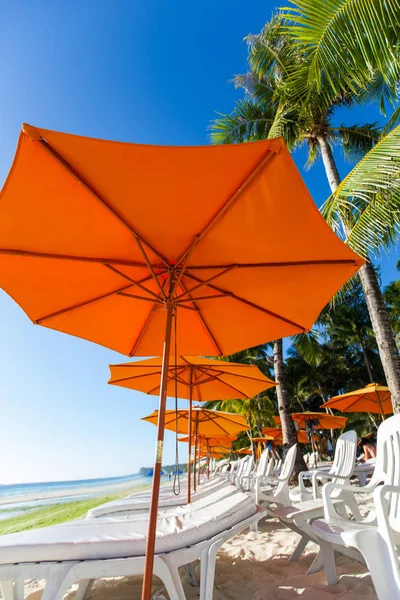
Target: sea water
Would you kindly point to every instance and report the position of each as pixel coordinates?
(17, 498)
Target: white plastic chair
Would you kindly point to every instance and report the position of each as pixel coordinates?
(299, 515)
(378, 534)
(341, 470)
(248, 481)
(279, 494)
(244, 470)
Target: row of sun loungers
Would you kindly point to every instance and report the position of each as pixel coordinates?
(111, 541)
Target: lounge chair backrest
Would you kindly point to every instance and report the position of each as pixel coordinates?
(247, 466)
(288, 463)
(344, 459)
(237, 471)
(387, 465)
(263, 463)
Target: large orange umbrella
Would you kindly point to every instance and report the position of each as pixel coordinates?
(318, 420)
(374, 398)
(140, 248)
(192, 378)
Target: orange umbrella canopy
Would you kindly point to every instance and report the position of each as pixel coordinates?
(198, 378)
(210, 423)
(244, 451)
(276, 434)
(374, 398)
(325, 421)
(98, 237)
(221, 440)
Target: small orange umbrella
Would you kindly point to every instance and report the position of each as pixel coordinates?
(278, 436)
(147, 249)
(374, 398)
(244, 451)
(223, 440)
(208, 423)
(318, 420)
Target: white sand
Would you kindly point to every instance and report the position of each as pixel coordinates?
(253, 566)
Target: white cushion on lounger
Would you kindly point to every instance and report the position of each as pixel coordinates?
(143, 503)
(177, 511)
(91, 540)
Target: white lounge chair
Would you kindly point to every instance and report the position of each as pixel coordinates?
(378, 534)
(298, 516)
(87, 550)
(142, 503)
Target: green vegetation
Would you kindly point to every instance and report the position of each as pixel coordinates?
(51, 515)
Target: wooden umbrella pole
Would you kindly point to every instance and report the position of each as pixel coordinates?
(155, 490)
(208, 460)
(195, 456)
(190, 435)
(198, 470)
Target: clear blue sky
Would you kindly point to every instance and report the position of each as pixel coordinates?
(135, 70)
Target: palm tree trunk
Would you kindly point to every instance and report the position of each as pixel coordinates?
(288, 429)
(366, 360)
(373, 295)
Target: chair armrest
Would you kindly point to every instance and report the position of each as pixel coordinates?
(327, 490)
(318, 475)
(302, 476)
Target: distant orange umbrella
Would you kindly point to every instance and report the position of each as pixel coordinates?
(276, 435)
(223, 440)
(143, 248)
(374, 398)
(209, 423)
(244, 451)
(205, 423)
(319, 420)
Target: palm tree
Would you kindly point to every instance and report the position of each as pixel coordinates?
(283, 100)
(365, 208)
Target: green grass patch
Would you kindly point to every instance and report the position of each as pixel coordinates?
(52, 515)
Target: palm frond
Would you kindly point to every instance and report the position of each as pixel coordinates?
(356, 140)
(346, 41)
(309, 347)
(365, 208)
(247, 122)
(393, 122)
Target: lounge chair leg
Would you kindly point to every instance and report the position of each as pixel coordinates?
(19, 589)
(167, 571)
(351, 503)
(191, 575)
(316, 564)
(7, 589)
(203, 569)
(328, 558)
(298, 551)
(84, 587)
(207, 590)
